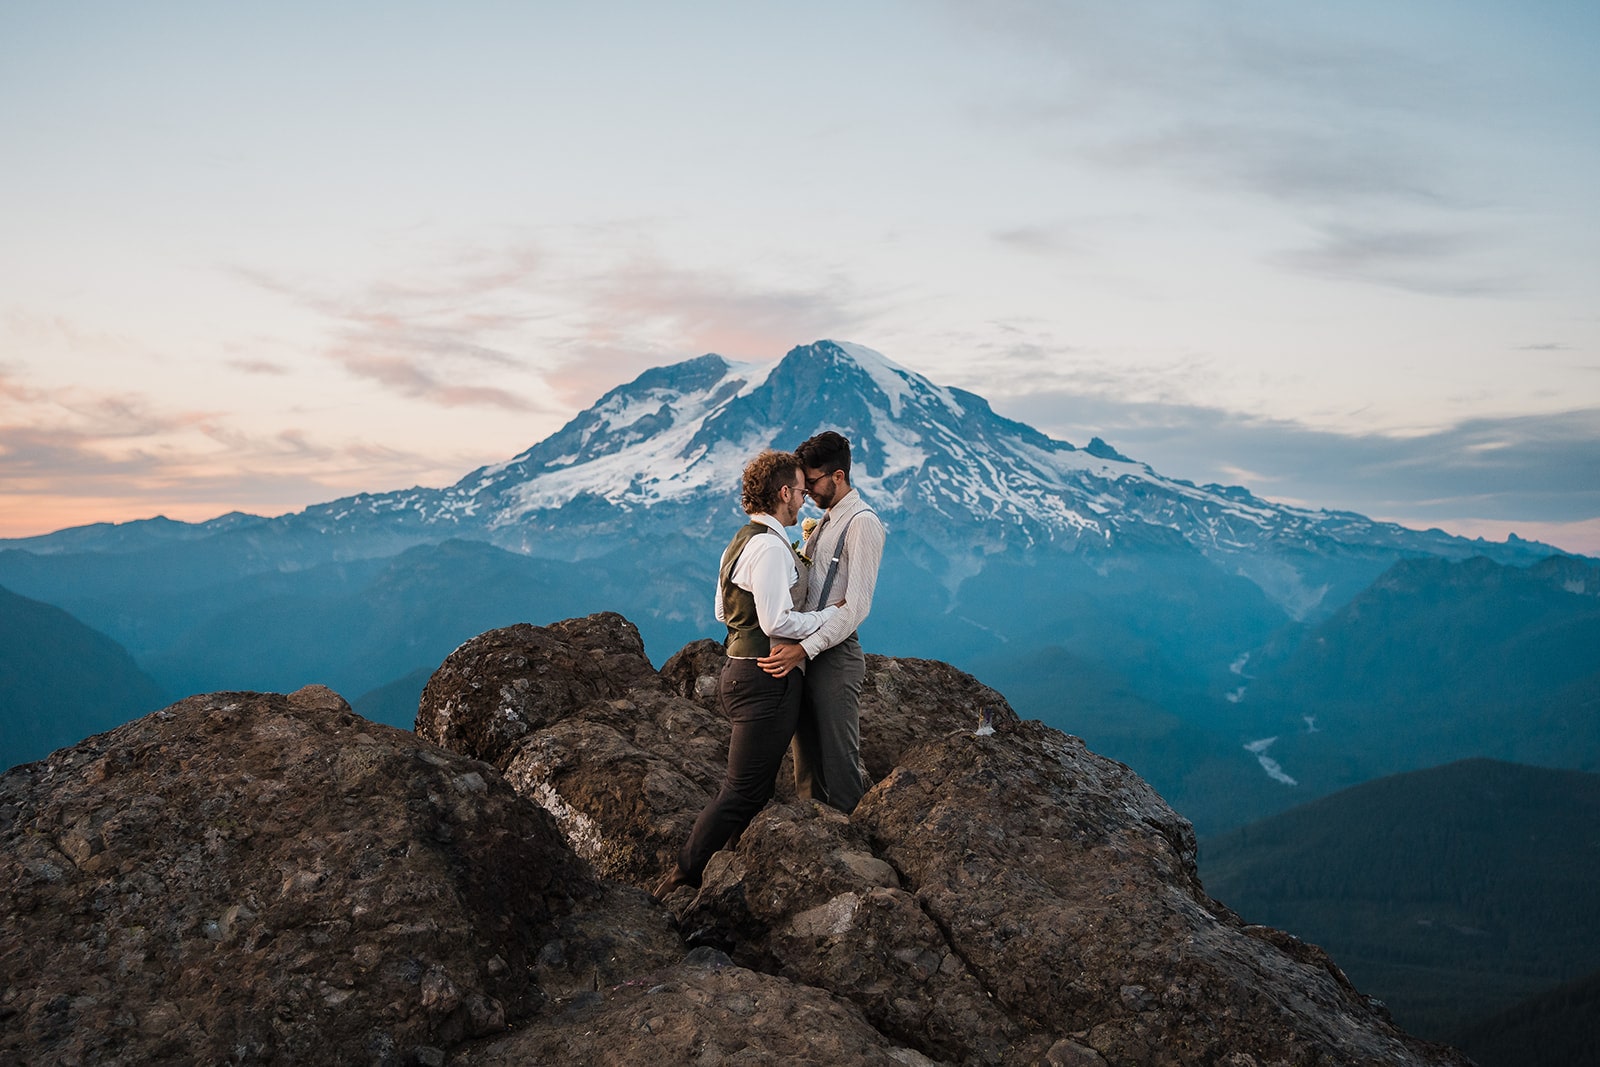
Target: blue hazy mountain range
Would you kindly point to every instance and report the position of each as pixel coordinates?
(61, 681)
(1451, 893)
(1146, 613)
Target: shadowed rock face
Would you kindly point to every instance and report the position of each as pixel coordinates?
(269, 879)
(255, 878)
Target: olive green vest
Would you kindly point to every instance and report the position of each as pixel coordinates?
(745, 636)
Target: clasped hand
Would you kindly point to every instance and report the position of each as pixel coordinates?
(784, 657)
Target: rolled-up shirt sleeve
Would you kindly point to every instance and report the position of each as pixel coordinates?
(766, 570)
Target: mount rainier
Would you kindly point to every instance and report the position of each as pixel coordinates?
(1097, 593)
(937, 463)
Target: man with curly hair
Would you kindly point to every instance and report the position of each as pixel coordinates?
(755, 596)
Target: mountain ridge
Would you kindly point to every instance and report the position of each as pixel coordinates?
(61, 679)
(1450, 892)
(676, 437)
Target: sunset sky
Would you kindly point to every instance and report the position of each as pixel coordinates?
(259, 256)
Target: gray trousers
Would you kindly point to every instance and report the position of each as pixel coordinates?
(827, 739)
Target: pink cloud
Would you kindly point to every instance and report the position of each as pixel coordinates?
(426, 341)
(647, 313)
(258, 366)
(73, 456)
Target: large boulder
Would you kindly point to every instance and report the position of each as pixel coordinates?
(906, 702)
(502, 685)
(625, 778)
(624, 756)
(581, 723)
(257, 878)
(1069, 888)
(805, 895)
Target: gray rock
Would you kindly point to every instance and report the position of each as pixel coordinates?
(250, 877)
(697, 1014)
(1069, 888)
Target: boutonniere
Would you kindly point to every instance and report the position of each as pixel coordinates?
(806, 526)
(801, 555)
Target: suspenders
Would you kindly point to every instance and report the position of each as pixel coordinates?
(833, 564)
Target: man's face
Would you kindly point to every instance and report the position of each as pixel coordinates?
(789, 501)
(824, 486)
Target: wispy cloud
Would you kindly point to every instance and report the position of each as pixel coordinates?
(431, 340)
(1435, 263)
(372, 357)
(567, 331)
(1354, 129)
(1530, 469)
(1043, 240)
(1306, 167)
(645, 312)
(259, 366)
(77, 455)
(1297, 106)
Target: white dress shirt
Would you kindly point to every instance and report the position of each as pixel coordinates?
(766, 569)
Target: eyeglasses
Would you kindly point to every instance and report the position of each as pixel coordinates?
(811, 483)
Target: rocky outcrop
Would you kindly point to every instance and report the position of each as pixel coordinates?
(807, 896)
(579, 721)
(1069, 888)
(255, 878)
(502, 685)
(266, 879)
(1009, 898)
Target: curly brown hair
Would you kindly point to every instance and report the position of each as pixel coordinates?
(764, 479)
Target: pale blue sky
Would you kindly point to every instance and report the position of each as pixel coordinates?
(258, 256)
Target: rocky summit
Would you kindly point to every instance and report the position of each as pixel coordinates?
(258, 878)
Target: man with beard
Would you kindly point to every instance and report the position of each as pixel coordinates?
(846, 549)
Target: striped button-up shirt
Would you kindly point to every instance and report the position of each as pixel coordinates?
(859, 558)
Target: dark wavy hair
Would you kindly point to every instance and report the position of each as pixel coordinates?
(764, 479)
(827, 452)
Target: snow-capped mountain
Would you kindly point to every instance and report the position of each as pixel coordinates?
(1094, 591)
(936, 462)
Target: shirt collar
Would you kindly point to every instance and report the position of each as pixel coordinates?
(849, 502)
(768, 520)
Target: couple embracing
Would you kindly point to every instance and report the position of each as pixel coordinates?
(794, 670)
